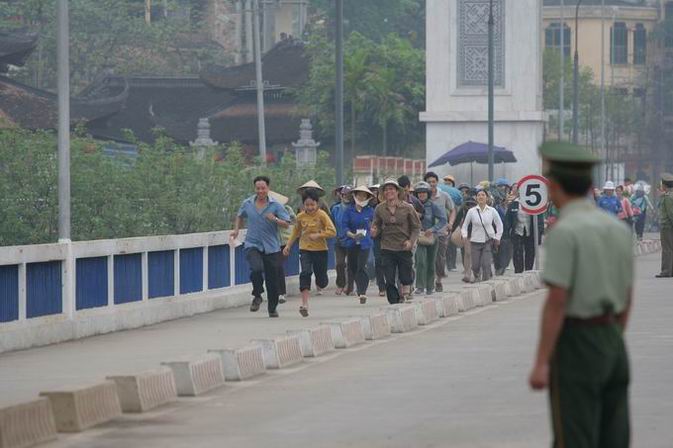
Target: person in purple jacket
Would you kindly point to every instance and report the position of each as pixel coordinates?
(356, 222)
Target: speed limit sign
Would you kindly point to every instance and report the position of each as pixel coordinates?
(533, 194)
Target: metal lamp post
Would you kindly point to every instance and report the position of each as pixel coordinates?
(339, 94)
(561, 109)
(63, 56)
(259, 81)
(576, 75)
(491, 83)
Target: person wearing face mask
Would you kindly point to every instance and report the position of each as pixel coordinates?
(640, 205)
(433, 222)
(356, 222)
(344, 280)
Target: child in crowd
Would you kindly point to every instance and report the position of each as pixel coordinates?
(313, 228)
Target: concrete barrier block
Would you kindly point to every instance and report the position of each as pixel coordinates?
(197, 376)
(402, 318)
(376, 326)
(27, 424)
(498, 290)
(481, 294)
(242, 363)
(532, 281)
(146, 390)
(450, 304)
(346, 333)
(314, 342)
(426, 312)
(513, 287)
(78, 409)
(281, 351)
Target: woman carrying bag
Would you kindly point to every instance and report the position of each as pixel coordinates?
(433, 220)
(487, 230)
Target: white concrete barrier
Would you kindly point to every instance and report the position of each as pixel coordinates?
(346, 333)
(498, 289)
(447, 304)
(402, 317)
(78, 409)
(426, 311)
(197, 376)
(281, 351)
(531, 281)
(27, 424)
(314, 342)
(146, 390)
(375, 326)
(513, 286)
(466, 297)
(242, 363)
(481, 294)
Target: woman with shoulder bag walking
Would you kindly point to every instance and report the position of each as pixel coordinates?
(433, 221)
(487, 230)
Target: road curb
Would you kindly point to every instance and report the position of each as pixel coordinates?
(241, 363)
(197, 376)
(147, 390)
(27, 424)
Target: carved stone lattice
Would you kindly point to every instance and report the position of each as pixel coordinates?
(472, 60)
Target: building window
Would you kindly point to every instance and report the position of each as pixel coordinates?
(619, 44)
(553, 37)
(639, 45)
(668, 23)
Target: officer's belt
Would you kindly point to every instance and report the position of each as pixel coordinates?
(605, 319)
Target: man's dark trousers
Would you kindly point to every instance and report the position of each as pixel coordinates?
(264, 267)
(589, 388)
(523, 253)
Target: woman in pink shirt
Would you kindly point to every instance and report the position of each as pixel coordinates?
(626, 214)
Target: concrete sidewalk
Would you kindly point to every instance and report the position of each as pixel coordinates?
(24, 374)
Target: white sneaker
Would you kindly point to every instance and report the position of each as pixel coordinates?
(281, 299)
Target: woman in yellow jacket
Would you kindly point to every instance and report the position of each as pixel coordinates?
(313, 228)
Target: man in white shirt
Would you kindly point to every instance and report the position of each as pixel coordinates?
(487, 230)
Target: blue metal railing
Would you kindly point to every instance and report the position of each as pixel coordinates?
(111, 272)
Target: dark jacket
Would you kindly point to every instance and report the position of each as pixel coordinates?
(511, 219)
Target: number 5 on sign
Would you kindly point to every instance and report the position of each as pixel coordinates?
(533, 197)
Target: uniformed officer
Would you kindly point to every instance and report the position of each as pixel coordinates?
(588, 268)
(666, 225)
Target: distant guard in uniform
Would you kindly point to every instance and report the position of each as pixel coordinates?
(666, 225)
(588, 268)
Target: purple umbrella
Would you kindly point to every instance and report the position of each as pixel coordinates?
(471, 152)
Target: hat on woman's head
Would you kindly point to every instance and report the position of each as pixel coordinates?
(422, 187)
(362, 189)
(281, 199)
(392, 182)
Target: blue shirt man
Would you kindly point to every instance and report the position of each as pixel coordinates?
(610, 203)
(262, 245)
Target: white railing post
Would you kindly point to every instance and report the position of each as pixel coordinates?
(145, 276)
(22, 292)
(232, 265)
(68, 272)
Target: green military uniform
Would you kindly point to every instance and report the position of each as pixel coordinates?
(589, 253)
(666, 226)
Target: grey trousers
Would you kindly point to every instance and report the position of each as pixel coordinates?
(482, 259)
(667, 251)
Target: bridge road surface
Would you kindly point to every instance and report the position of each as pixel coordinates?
(461, 383)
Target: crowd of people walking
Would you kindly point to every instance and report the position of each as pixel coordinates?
(402, 237)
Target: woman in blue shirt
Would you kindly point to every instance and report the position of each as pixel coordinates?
(433, 220)
(356, 222)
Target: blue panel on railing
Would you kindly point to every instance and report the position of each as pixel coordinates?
(191, 270)
(161, 271)
(292, 263)
(331, 262)
(218, 267)
(44, 290)
(9, 293)
(242, 267)
(91, 289)
(128, 277)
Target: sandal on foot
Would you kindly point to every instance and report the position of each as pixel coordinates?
(303, 311)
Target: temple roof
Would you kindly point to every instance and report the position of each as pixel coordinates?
(15, 47)
(33, 108)
(285, 65)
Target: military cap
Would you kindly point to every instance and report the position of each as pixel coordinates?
(667, 177)
(567, 159)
